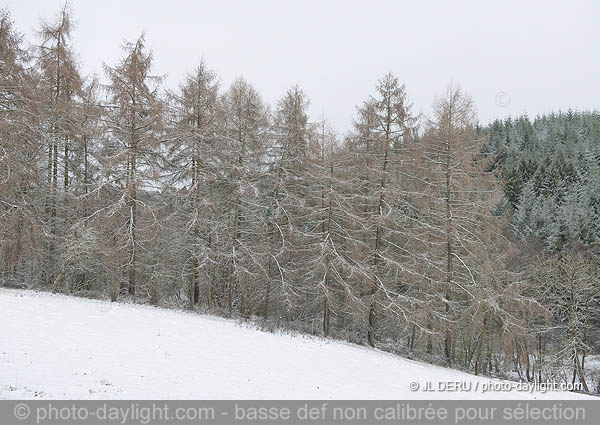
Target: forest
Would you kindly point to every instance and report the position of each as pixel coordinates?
(439, 238)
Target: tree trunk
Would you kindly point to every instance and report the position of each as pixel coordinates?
(66, 166)
(581, 373)
(377, 255)
(449, 266)
(132, 224)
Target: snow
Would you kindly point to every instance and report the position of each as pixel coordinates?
(55, 346)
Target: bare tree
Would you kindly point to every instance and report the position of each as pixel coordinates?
(568, 285)
(61, 86)
(134, 121)
(385, 125)
(246, 131)
(195, 153)
(20, 151)
(459, 196)
(331, 233)
(288, 159)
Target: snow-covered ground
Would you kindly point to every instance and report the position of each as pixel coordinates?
(54, 346)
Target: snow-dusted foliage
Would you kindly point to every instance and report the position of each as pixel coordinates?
(551, 175)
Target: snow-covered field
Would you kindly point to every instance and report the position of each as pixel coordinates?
(54, 346)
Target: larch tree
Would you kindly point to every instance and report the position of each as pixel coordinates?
(459, 196)
(384, 126)
(286, 213)
(134, 120)
(246, 130)
(20, 152)
(61, 86)
(331, 227)
(194, 150)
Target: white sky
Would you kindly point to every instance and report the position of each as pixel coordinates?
(543, 54)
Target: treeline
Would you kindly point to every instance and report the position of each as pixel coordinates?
(552, 177)
(206, 197)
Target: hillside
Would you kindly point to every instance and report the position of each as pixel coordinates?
(54, 346)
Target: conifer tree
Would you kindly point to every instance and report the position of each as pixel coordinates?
(61, 86)
(385, 126)
(134, 121)
(246, 131)
(458, 204)
(194, 150)
(20, 152)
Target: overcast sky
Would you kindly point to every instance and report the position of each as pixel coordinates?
(511, 56)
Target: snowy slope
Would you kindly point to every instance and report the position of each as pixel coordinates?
(53, 346)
